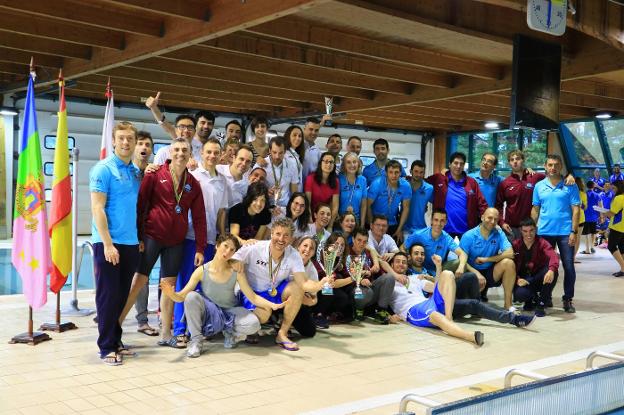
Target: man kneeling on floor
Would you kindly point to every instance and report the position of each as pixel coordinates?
(268, 265)
(538, 266)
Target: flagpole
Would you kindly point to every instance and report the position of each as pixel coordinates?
(57, 326)
(31, 337)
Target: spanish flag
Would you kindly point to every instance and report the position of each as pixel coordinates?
(60, 210)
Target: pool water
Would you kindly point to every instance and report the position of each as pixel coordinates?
(11, 283)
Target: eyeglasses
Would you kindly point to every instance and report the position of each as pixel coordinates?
(186, 127)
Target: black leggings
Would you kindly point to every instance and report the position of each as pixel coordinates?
(341, 302)
(304, 323)
(616, 241)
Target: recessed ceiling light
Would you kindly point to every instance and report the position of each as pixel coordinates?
(491, 125)
(603, 115)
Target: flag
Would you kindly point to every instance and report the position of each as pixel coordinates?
(109, 121)
(60, 209)
(31, 243)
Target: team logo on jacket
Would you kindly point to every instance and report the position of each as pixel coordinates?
(529, 185)
(187, 187)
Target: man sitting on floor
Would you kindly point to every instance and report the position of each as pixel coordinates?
(472, 306)
(490, 255)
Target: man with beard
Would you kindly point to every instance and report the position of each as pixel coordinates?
(235, 171)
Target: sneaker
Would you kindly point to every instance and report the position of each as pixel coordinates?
(321, 322)
(539, 310)
(382, 316)
(568, 307)
(512, 309)
(359, 314)
(521, 320)
(548, 303)
(529, 306)
(194, 349)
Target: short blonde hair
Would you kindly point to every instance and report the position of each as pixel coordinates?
(125, 126)
(343, 168)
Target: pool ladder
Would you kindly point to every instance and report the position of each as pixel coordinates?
(430, 404)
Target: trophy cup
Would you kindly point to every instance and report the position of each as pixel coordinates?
(329, 108)
(355, 269)
(329, 259)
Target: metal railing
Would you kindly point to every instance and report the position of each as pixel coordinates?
(589, 362)
(522, 373)
(412, 397)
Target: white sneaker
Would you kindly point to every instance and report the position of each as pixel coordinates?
(512, 309)
(194, 349)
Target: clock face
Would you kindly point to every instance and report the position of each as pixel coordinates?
(547, 16)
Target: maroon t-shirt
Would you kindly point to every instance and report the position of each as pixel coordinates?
(517, 192)
(321, 193)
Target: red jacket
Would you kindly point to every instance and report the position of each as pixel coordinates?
(515, 194)
(542, 254)
(156, 209)
(475, 200)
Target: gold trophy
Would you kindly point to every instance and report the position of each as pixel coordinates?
(329, 260)
(355, 269)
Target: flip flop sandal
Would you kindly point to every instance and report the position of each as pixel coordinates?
(125, 352)
(288, 346)
(112, 359)
(182, 338)
(148, 331)
(172, 342)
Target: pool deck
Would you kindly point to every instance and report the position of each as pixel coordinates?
(360, 368)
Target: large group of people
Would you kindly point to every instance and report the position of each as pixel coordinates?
(284, 233)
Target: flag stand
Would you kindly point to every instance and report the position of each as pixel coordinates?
(30, 337)
(57, 326)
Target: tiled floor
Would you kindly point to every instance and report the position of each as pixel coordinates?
(346, 364)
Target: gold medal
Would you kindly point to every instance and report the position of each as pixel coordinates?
(273, 292)
(350, 209)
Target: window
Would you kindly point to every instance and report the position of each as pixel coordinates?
(366, 160)
(583, 144)
(614, 130)
(48, 169)
(402, 161)
(506, 141)
(158, 146)
(482, 143)
(535, 146)
(49, 142)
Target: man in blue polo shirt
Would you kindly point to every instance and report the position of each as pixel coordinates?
(617, 174)
(490, 255)
(556, 211)
(377, 168)
(114, 184)
(436, 241)
(487, 179)
(422, 195)
(387, 195)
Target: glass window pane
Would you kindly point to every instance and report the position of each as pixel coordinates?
(482, 144)
(614, 129)
(402, 161)
(366, 160)
(49, 142)
(534, 147)
(585, 143)
(507, 141)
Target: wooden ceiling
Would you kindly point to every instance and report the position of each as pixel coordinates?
(426, 65)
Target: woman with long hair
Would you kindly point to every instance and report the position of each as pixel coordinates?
(341, 300)
(353, 188)
(322, 185)
(295, 150)
(616, 227)
(250, 218)
(347, 223)
(298, 209)
(215, 308)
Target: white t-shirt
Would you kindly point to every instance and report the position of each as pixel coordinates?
(293, 158)
(216, 195)
(256, 260)
(224, 169)
(311, 159)
(386, 245)
(312, 232)
(286, 174)
(310, 271)
(405, 298)
(163, 155)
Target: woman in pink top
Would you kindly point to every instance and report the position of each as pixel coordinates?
(322, 186)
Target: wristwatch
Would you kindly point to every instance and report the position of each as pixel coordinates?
(162, 120)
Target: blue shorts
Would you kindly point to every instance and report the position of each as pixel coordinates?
(419, 314)
(277, 299)
(489, 277)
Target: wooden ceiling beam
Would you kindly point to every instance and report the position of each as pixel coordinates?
(422, 119)
(301, 31)
(45, 46)
(209, 85)
(249, 78)
(169, 91)
(447, 113)
(23, 58)
(249, 43)
(250, 62)
(184, 9)
(39, 27)
(368, 123)
(226, 17)
(591, 101)
(173, 99)
(590, 87)
(87, 13)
